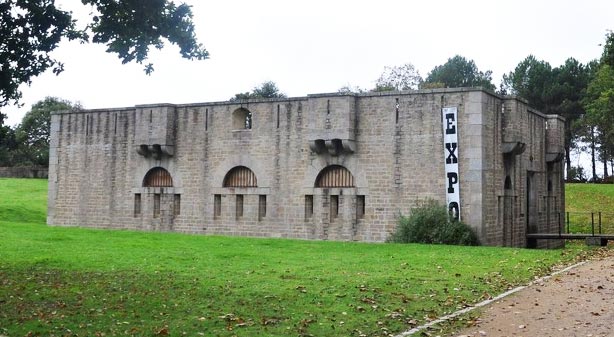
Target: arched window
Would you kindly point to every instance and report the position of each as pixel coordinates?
(240, 176)
(158, 177)
(241, 119)
(335, 176)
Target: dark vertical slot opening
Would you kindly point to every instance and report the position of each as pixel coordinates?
(261, 207)
(308, 206)
(334, 207)
(239, 206)
(360, 206)
(217, 205)
(156, 208)
(396, 106)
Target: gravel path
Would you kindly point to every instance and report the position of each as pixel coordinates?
(579, 302)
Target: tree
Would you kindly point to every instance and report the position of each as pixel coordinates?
(564, 95)
(403, 77)
(530, 80)
(32, 134)
(349, 89)
(31, 30)
(7, 142)
(459, 72)
(599, 104)
(576, 175)
(265, 90)
(608, 49)
(557, 90)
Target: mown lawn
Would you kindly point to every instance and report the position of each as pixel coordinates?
(82, 282)
(584, 203)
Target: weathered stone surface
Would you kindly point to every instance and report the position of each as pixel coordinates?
(392, 143)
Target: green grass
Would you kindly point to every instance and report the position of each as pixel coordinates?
(584, 202)
(23, 200)
(82, 282)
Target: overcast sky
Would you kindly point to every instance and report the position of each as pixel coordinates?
(320, 46)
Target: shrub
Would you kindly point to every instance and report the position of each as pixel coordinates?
(576, 175)
(431, 223)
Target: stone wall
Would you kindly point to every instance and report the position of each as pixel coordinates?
(390, 143)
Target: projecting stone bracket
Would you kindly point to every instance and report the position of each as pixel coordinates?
(513, 148)
(554, 157)
(334, 147)
(155, 150)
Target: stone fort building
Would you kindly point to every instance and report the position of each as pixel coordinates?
(325, 166)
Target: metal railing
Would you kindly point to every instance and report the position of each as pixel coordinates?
(594, 223)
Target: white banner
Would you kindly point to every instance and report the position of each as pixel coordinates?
(450, 141)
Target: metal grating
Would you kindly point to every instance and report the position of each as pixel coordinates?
(240, 176)
(158, 177)
(335, 176)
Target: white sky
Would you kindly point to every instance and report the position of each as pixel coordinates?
(319, 46)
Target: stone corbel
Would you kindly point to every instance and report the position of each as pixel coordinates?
(143, 150)
(349, 146)
(317, 146)
(334, 146)
(168, 150)
(513, 148)
(155, 150)
(554, 157)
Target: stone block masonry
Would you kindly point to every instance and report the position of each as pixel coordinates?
(324, 167)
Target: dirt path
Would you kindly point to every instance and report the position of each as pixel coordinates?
(579, 302)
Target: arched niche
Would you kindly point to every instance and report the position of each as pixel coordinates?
(158, 177)
(242, 119)
(334, 176)
(240, 176)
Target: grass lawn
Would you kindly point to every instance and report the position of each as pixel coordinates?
(584, 202)
(82, 282)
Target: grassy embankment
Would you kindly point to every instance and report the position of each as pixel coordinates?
(83, 282)
(584, 202)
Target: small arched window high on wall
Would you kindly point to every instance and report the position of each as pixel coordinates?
(241, 119)
(158, 177)
(240, 176)
(335, 176)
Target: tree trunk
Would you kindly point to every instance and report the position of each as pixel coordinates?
(567, 161)
(604, 158)
(593, 154)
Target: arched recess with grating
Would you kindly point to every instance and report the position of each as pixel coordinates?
(158, 177)
(335, 176)
(240, 176)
